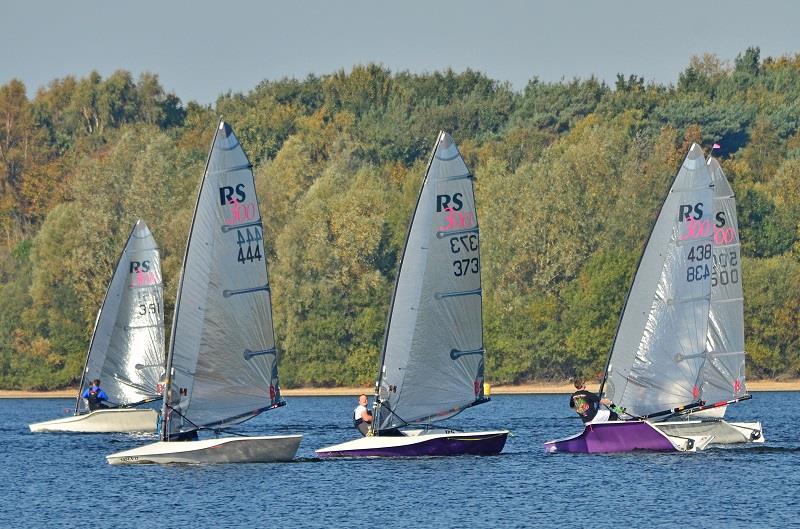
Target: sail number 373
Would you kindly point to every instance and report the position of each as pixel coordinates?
(461, 245)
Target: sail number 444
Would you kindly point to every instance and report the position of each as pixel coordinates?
(253, 241)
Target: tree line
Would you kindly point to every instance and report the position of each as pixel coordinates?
(569, 178)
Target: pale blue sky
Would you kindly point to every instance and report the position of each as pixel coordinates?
(202, 48)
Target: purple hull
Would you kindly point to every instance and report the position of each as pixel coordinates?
(617, 436)
(480, 445)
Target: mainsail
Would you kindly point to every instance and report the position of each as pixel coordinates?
(659, 348)
(222, 360)
(432, 361)
(723, 373)
(127, 348)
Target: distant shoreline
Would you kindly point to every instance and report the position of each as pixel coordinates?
(520, 389)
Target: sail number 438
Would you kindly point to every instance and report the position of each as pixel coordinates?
(698, 254)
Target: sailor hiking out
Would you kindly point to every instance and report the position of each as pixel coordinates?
(586, 404)
(362, 417)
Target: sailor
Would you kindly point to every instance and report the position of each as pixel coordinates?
(586, 404)
(95, 396)
(362, 417)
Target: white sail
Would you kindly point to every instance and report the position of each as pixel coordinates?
(723, 376)
(660, 345)
(432, 362)
(222, 359)
(127, 348)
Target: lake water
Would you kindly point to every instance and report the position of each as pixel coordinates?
(63, 480)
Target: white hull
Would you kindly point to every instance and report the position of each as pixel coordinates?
(221, 450)
(711, 413)
(122, 420)
(414, 443)
(721, 432)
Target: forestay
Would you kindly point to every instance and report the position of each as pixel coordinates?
(127, 348)
(723, 375)
(432, 362)
(222, 355)
(660, 344)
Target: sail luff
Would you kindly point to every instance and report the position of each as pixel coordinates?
(168, 390)
(89, 351)
(381, 362)
(97, 320)
(630, 287)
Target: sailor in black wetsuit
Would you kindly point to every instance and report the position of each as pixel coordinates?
(362, 417)
(586, 404)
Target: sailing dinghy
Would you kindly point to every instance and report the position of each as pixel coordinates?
(433, 358)
(723, 372)
(126, 351)
(653, 369)
(222, 363)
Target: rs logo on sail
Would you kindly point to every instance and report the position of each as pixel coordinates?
(443, 202)
(140, 266)
(145, 274)
(226, 194)
(685, 212)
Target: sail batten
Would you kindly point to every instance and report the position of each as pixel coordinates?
(659, 348)
(432, 360)
(221, 374)
(129, 330)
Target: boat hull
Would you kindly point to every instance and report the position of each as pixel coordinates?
(721, 432)
(624, 436)
(266, 449)
(419, 443)
(115, 420)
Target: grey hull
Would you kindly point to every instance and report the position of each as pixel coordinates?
(212, 451)
(721, 432)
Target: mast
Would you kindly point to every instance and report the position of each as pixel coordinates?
(373, 429)
(86, 362)
(165, 401)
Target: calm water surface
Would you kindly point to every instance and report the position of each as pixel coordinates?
(62, 480)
